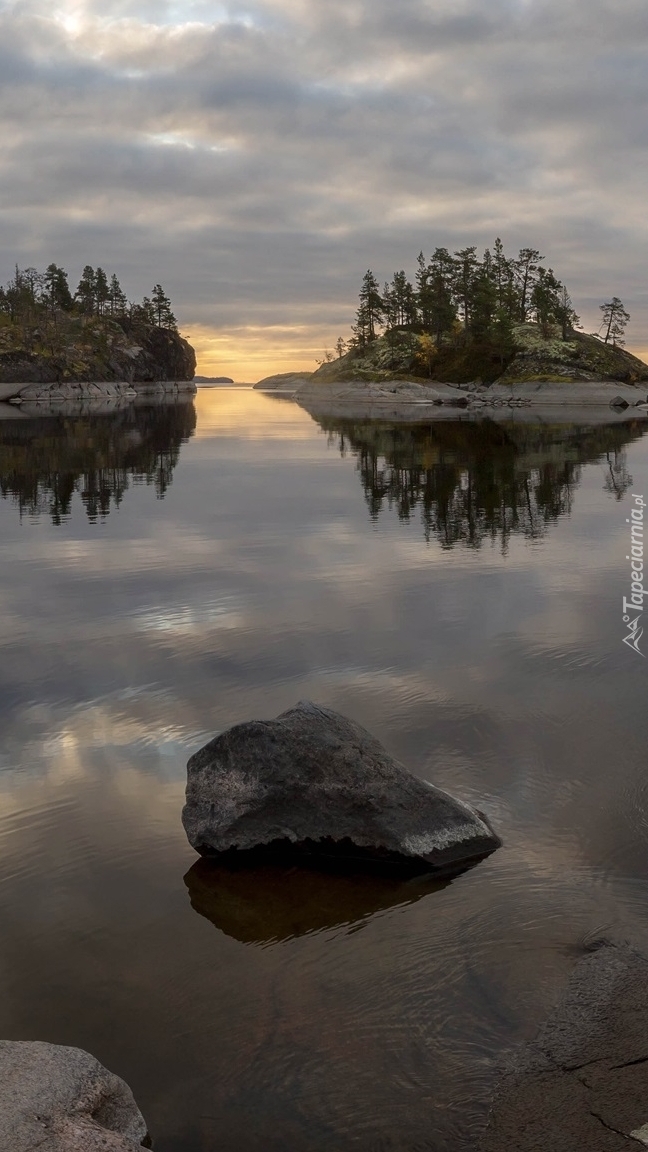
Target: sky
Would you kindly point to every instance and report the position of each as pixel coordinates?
(257, 157)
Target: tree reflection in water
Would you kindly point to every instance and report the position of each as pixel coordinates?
(474, 482)
(44, 460)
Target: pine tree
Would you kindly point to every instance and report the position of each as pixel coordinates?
(145, 311)
(86, 291)
(501, 273)
(102, 291)
(527, 268)
(370, 310)
(615, 319)
(56, 289)
(465, 267)
(423, 294)
(161, 305)
(484, 302)
(546, 299)
(118, 303)
(443, 310)
(565, 314)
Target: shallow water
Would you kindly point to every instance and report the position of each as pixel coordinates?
(457, 589)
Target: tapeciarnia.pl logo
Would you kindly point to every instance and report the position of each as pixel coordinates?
(633, 608)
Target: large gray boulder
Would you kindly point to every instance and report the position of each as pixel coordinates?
(58, 1099)
(314, 781)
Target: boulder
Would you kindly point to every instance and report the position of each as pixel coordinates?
(313, 781)
(59, 1099)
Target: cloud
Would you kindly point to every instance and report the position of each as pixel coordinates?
(257, 157)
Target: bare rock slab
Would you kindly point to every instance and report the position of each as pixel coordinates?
(311, 780)
(582, 1084)
(59, 1099)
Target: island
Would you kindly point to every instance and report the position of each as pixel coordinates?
(473, 332)
(58, 345)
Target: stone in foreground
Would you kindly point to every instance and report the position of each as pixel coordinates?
(313, 781)
(58, 1099)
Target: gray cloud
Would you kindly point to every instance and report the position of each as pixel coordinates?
(258, 157)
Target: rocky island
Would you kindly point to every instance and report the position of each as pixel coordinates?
(475, 333)
(55, 345)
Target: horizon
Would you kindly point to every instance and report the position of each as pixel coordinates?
(257, 158)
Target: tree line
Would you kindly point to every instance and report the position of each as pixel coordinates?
(460, 296)
(31, 296)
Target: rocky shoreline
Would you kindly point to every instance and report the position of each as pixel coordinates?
(582, 1084)
(30, 392)
(603, 401)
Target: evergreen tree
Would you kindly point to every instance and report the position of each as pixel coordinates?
(565, 314)
(502, 334)
(443, 311)
(86, 291)
(614, 321)
(483, 302)
(370, 310)
(145, 312)
(501, 273)
(56, 289)
(465, 267)
(102, 291)
(402, 306)
(423, 294)
(527, 269)
(118, 304)
(546, 299)
(161, 308)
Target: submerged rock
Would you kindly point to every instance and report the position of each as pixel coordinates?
(313, 781)
(60, 1099)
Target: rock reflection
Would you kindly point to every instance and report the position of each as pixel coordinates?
(265, 903)
(45, 460)
(474, 482)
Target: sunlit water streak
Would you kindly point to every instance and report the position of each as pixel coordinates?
(458, 593)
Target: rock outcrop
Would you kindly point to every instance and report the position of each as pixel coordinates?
(530, 356)
(313, 781)
(402, 399)
(59, 1099)
(284, 381)
(93, 349)
(582, 1084)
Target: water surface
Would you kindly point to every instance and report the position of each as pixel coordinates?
(170, 570)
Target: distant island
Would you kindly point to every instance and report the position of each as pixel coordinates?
(213, 380)
(50, 335)
(467, 319)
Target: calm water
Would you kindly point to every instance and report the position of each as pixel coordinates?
(167, 572)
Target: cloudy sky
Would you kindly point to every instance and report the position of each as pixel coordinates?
(257, 156)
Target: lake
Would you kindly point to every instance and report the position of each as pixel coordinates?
(168, 571)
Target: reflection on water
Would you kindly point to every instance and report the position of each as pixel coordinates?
(272, 902)
(274, 1009)
(480, 481)
(45, 460)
